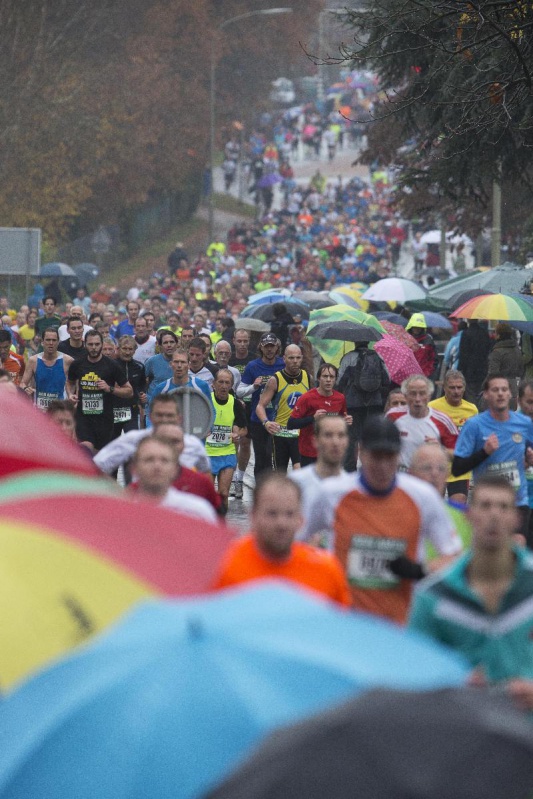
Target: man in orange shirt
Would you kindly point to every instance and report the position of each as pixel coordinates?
(12, 363)
(270, 551)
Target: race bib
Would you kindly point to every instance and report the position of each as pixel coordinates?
(508, 470)
(121, 415)
(368, 559)
(42, 401)
(220, 436)
(92, 404)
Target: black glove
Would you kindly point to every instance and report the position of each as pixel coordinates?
(403, 566)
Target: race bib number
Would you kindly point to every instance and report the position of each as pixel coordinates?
(368, 560)
(508, 470)
(92, 404)
(220, 436)
(121, 415)
(42, 401)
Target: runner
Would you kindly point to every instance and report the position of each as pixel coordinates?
(198, 367)
(9, 361)
(73, 344)
(92, 383)
(45, 376)
(283, 391)
(145, 342)
(127, 412)
(222, 352)
(158, 367)
(378, 528)
(240, 360)
(254, 379)
(181, 377)
(50, 318)
(317, 402)
(228, 429)
(270, 550)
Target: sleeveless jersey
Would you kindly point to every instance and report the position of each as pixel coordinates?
(49, 381)
(289, 390)
(219, 442)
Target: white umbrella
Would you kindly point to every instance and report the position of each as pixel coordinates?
(394, 288)
(431, 237)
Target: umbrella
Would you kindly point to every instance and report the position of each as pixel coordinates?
(400, 334)
(463, 296)
(430, 237)
(448, 744)
(332, 351)
(265, 299)
(47, 483)
(436, 320)
(314, 299)
(268, 292)
(500, 279)
(264, 310)
(167, 702)
(434, 304)
(86, 272)
(389, 316)
(350, 297)
(345, 331)
(72, 564)
(253, 325)
(55, 269)
(394, 288)
(496, 306)
(31, 440)
(398, 358)
(269, 180)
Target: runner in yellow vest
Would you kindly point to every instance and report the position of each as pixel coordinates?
(228, 429)
(283, 390)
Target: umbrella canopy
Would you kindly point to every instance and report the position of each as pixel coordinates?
(265, 299)
(345, 331)
(168, 701)
(500, 279)
(72, 564)
(394, 288)
(264, 310)
(436, 320)
(389, 316)
(269, 180)
(32, 440)
(330, 350)
(400, 334)
(434, 304)
(47, 483)
(463, 296)
(314, 299)
(267, 293)
(253, 325)
(398, 358)
(449, 744)
(86, 272)
(497, 307)
(430, 237)
(353, 299)
(56, 269)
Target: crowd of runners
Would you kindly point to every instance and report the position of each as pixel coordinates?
(388, 483)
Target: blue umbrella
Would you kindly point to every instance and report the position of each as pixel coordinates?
(86, 271)
(56, 269)
(389, 316)
(270, 295)
(437, 320)
(166, 703)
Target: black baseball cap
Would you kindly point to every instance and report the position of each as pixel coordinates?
(268, 338)
(380, 434)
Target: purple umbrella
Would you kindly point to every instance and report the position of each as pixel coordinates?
(269, 180)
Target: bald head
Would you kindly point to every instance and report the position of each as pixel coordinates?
(431, 464)
(293, 359)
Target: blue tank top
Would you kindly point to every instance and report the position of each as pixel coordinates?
(49, 381)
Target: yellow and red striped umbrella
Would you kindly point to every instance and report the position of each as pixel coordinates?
(501, 307)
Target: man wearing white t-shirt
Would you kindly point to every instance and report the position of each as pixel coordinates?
(331, 441)
(146, 343)
(418, 423)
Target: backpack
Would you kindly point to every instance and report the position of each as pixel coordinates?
(365, 377)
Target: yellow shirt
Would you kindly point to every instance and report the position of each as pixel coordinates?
(458, 414)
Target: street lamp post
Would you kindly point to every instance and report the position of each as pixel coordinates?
(212, 110)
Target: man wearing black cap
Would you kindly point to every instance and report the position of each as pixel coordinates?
(378, 527)
(254, 379)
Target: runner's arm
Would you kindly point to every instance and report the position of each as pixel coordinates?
(123, 392)
(116, 453)
(29, 374)
(463, 465)
(266, 397)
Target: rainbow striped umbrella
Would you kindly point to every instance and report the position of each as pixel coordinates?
(330, 350)
(501, 307)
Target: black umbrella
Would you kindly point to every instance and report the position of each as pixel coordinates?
(463, 296)
(388, 316)
(448, 744)
(265, 312)
(86, 272)
(345, 331)
(314, 299)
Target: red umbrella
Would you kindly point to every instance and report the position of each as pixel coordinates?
(30, 440)
(71, 565)
(399, 360)
(398, 332)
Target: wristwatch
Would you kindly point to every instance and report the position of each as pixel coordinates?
(111, 389)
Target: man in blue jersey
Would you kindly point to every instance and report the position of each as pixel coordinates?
(254, 379)
(46, 373)
(497, 442)
(157, 367)
(482, 605)
(181, 377)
